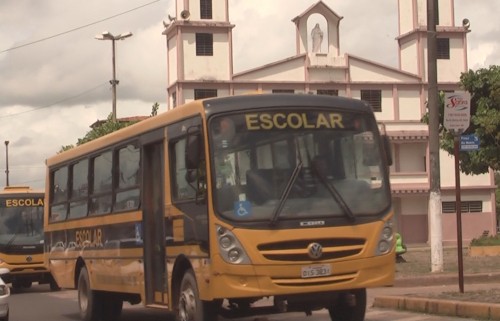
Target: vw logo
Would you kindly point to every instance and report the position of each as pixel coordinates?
(315, 250)
(29, 258)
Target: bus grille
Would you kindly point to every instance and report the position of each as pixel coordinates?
(327, 280)
(297, 250)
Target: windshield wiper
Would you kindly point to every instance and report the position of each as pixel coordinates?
(334, 192)
(279, 207)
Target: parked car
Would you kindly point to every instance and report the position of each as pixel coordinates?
(4, 297)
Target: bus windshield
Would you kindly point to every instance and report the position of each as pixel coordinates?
(20, 223)
(297, 164)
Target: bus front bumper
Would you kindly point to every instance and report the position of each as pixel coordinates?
(273, 280)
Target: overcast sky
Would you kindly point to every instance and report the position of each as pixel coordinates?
(54, 76)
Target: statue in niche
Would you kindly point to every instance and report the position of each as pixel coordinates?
(317, 38)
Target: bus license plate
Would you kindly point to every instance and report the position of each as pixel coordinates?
(313, 271)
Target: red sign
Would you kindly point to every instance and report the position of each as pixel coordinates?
(457, 112)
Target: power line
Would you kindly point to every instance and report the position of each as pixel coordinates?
(78, 28)
(57, 102)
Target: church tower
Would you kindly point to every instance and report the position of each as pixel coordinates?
(199, 50)
(451, 40)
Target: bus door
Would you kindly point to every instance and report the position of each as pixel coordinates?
(155, 274)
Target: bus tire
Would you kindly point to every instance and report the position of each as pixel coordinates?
(53, 285)
(190, 307)
(112, 307)
(89, 302)
(349, 306)
(17, 285)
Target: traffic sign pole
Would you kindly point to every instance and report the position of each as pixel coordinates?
(457, 120)
(458, 202)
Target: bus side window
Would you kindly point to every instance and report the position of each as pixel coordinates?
(185, 184)
(79, 189)
(59, 194)
(181, 188)
(101, 184)
(128, 192)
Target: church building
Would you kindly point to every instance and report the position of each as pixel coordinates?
(200, 65)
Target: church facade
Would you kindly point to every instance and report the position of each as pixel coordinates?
(200, 65)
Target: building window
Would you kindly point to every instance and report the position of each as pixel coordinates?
(465, 206)
(374, 98)
(204, 93)
(328, 92)
(206, 9)
(443, 48)
(204, 44)
(283, 91)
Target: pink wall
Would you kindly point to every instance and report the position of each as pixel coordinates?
(473, 225)
(414, 228)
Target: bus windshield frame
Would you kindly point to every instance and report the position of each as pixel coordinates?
(21, 220)
(282, 165)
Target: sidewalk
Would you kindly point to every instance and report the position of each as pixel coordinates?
(409, 293)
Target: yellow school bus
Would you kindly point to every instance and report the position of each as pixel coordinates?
(230, 206)
(22, 237)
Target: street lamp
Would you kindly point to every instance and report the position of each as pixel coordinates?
(6, 163)
(106, 35)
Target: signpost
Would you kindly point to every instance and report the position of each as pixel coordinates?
(469, 143)
(457, 120)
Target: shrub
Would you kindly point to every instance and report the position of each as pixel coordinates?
(486, 240)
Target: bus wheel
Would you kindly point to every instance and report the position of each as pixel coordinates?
(27, 284)
(53, 285)
(111, 307)
(190, 307)
(349, 306)
(88, 300)
(16, 284)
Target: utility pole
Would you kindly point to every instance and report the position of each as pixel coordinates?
(6, 163)
(435, 219)
(114, 82)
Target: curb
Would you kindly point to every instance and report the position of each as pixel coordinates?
(462, 309)
(445, 279)
(453, 308)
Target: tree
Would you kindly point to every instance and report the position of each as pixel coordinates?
(484, 87)
(105, 128)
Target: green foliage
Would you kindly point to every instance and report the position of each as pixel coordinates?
(105, 128)
(484, 87)
(486, 240)
(65, 148)
(154, 109)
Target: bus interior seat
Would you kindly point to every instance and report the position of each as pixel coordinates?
(258, 185)
(226, 196)
(266, 183)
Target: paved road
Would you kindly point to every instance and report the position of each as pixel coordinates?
(38, 303)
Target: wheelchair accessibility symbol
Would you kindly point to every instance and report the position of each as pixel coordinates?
(242, 208)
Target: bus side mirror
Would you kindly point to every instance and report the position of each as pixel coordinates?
(387, 149)
(193, 151)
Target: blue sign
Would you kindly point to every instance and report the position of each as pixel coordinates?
(243, 208)
(469, 142)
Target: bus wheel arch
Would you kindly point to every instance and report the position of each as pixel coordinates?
(181, 265)
(80, 263)
(89, 303)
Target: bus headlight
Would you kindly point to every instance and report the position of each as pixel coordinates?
(230, 248)
(386, 239)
